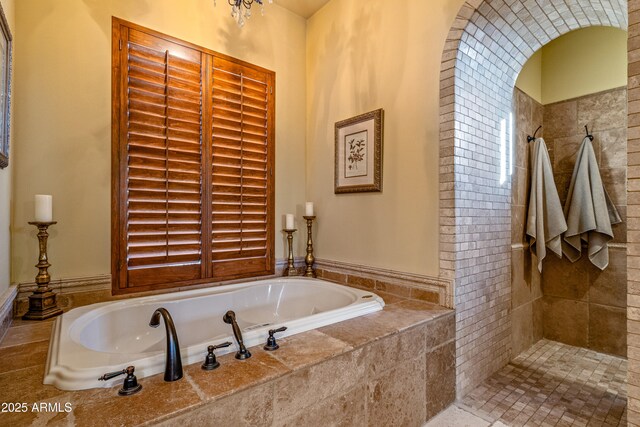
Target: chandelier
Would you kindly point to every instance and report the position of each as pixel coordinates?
(241, 9)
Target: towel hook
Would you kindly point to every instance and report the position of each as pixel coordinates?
(533, 138)
(588, 134)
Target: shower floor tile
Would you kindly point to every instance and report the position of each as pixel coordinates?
(553, 384)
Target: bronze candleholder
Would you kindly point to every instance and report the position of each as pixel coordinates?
(42, 303)
(291, 269)
(309, 259)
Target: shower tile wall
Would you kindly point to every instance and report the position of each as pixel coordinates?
(576, 304)
(526, 290)
(584, 306)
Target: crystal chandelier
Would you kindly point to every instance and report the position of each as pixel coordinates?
(241, 9)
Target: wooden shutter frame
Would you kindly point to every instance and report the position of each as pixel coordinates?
(120, 29)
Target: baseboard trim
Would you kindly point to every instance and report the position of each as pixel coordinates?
(68, 285)
(408, 285)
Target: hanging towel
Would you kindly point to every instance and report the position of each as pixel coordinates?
(588, 210)
(545, 222)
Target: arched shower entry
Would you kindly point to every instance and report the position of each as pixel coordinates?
(487, 46)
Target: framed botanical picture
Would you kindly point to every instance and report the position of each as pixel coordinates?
(5, 89)
(359, 153)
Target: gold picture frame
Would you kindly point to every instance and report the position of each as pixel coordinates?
(358, 153)
(5, 89)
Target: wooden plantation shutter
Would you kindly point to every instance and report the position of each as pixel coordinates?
(192, 164)
(240, 173)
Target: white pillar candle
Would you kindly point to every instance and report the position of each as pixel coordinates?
(288, 222)
(308, 209)
(44, 208)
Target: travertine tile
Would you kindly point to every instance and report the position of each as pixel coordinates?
(441, 378)
(307, 349)
(406, 383)
(560, 118)
(553, 384)
(252, 407)
(457, 417)
(346, 410)
(566, 321)
(27, 334)
(564, 279)
(306, 387)
(609, 287)
(602, 112)
(425, 295)
(234, 375)
(25, 385)
(23, 356)
(615, 182)
(157, 399)
(605, 324)
(522, 328)
(440, 331)
(386, 354)
(393, 288)
(361, 330)
(612, 152)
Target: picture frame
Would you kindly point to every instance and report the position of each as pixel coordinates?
(358, 153)
(6, 44)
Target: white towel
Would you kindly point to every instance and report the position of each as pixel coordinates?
(588, 210)
(545, 221)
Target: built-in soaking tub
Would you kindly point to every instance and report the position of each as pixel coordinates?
(89, 341)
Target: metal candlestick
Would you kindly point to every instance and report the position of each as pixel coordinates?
(291, 269)
(42, 303)
(309, 259)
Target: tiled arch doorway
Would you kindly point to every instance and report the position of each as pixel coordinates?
(487, 47)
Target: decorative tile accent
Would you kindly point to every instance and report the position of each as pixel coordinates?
(403, 285)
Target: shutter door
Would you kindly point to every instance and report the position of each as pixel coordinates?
(241, 175)
(163, 188)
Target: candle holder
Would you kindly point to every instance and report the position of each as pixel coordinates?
(42, 303)
(291, 269)
(309, 259)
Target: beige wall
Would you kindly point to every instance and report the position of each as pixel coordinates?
(363, 55)
(62, 127)
(530, 78)
(578, 63)
(6, 182)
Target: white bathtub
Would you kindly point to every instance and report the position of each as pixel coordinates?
(89, 341)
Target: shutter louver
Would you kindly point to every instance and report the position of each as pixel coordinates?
(192, 158)
(164, 158)
(239, 172)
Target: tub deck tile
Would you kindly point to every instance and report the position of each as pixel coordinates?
(236, 375)
(315, 375)
(308, 348)
(25, 385)
(23, 356)
(27, 333)
(156, 400)
(361, 330)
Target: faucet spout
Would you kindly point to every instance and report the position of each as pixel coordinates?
(230, 318)
(173, 364)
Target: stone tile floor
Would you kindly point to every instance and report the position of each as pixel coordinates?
(551, 384)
